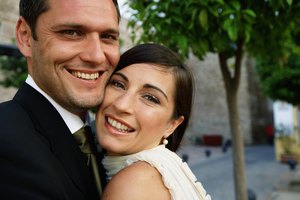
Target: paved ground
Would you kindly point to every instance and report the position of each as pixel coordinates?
(288, 187)
(266, 177)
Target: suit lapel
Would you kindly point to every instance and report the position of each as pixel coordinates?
(50, 125)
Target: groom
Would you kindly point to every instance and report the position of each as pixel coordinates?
(71, 48)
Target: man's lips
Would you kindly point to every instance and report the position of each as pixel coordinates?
(86, 76)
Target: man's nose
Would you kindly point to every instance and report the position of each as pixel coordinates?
(93, 51)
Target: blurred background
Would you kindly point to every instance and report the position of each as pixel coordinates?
(245, 56)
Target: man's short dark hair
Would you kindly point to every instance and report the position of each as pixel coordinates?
(32, 9)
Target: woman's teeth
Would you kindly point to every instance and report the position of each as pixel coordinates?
(86, 76)
(119, 126)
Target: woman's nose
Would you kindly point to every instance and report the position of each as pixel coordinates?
(125, 103)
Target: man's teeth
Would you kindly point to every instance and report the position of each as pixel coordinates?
(119, 126)
(86, 76)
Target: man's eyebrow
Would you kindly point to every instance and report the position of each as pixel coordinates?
(156, 88)
(80, 26)
(68, 25)
(112, 31)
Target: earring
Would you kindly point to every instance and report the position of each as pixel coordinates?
(165, 141)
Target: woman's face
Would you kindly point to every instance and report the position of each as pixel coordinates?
(137, 109)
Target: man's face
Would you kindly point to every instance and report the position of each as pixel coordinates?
(76, 50)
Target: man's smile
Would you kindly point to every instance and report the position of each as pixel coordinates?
(86, 76)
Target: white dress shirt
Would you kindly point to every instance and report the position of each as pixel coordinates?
(73, 121)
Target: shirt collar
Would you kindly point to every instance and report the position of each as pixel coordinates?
(72, 121)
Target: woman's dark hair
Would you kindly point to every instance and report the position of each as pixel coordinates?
(163, 57)
(32, 9)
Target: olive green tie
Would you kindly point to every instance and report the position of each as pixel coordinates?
(86, 144)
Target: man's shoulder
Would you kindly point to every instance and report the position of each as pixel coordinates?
(8, 108)
(13, 117)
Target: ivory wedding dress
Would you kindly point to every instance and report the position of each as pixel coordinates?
(177, 176)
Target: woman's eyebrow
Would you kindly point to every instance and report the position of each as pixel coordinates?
(145, 86)
(156, 88)
(122, 75)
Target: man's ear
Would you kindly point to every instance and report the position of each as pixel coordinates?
(173, 125)
(24, 37)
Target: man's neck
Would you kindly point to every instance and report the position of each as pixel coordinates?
(73, 121)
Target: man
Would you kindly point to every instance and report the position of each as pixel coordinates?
(71, 47)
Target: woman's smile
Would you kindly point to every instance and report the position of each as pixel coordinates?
(118, 126)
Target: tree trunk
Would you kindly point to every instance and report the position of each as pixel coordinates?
(231, 86)
(238, 148)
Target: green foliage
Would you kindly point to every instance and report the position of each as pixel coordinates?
(279, 70)
(199, 26)
(268, 29)
(14, 71)
(281, 82)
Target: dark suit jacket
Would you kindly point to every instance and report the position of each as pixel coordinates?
(39, 158)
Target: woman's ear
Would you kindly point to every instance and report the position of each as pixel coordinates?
(173, 125)
(24, 37)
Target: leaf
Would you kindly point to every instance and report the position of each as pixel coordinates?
(227, 24)
(232, 33)
(203, 16)
(218, 42)
(204, 46)
(247, 33)
(214, 11)
(289, 2)
(247, 36)
(249, 12)
(219, 1)
(183, 43)
(194, 13)
(236, 5)
(228, 12)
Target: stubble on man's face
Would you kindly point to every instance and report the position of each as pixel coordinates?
(76, 52)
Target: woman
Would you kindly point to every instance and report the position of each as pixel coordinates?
(141, 122)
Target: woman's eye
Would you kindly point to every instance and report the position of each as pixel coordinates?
(117, 84)
(151, 98)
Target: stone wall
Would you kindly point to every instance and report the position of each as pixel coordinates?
(210, 113)
(261, 107)
(8, 18)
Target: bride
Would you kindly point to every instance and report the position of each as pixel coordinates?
(141, 123)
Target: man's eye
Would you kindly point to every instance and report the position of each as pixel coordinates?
(71, 33)
(151, 98)
(109, 37)
(117, 84)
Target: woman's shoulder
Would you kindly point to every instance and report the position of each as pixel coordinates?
(137, 181)
(143, 170)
